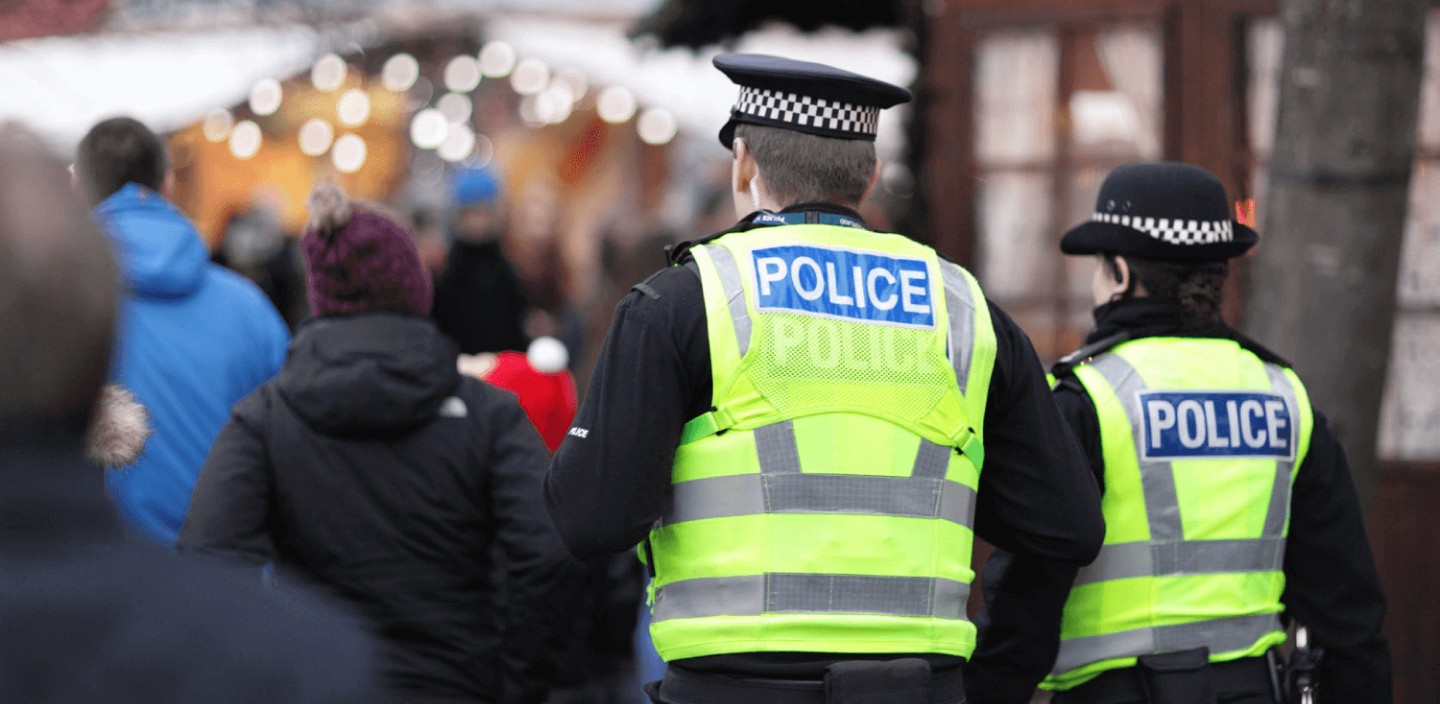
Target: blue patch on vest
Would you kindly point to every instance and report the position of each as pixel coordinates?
(844, 283)
(1181, 424)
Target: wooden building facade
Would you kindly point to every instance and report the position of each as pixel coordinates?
(1029, 103)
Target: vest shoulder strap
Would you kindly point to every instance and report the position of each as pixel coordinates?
(1067, 363)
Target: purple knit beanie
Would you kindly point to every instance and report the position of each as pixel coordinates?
(359, 261)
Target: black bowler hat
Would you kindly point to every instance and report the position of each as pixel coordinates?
(1161, 210)
(805, 97)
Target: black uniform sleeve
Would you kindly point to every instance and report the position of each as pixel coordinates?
(537, 572)
(229, 509)
(1037, 497)
(610, 477)
(1019, 630)
(1331, 584)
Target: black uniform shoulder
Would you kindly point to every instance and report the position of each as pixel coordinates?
(679, 254)
(669, 283)
(1062, 368)
(1259, 350)
(668, 287)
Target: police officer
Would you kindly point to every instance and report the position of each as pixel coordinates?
(792, 421)
(1227, 498)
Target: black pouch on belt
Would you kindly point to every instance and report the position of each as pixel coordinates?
(904, 681)
(1181, 677)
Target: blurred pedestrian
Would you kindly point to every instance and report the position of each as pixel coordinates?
(597, 642)
(371, 467)
(478, 299)
(429, 230)
(254, 245)
(91, 613)
(194, 337)
(792, 421)
(1228, 501)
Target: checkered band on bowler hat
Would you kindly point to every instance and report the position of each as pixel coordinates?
(805, 97)
(1173, 231)
(1161, 210)
(806, 111)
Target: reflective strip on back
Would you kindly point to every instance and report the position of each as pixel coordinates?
(781, 487)
(753, 595)
(751, 494)
(734, 290)
(1162, 504)
(960, 306)
(932, 461)
(1279, 509)
(1220, 635)
(1142, 559)
(775, 445)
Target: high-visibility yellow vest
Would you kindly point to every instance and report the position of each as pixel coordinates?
(1201, 441)
(826, 503)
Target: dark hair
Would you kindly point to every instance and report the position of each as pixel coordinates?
(60, 286)
(804, 168)
(1199, 287)
(118, 151)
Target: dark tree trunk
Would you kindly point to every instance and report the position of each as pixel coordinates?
(1322, 286)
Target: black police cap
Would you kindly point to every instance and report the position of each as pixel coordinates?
(805, 97)
(1161, 210)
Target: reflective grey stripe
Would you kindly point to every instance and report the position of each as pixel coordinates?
(1162, 503)
(932, 461)
(775, 444)
(710, 596)
(1220, 635)
(1279, 508)
(734, 290)
(781, 487)
(960, 306)
(1142, 559)
(751, 494)
(753, 595)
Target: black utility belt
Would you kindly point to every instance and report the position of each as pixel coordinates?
(904, 681)
(1185, 677)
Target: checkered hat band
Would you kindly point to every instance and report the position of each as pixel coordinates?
(1173, 231)
(806, 111)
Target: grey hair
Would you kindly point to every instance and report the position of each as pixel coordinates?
(804, 168)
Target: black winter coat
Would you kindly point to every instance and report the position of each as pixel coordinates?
(91, 614)
(478, 299)
(370, 467)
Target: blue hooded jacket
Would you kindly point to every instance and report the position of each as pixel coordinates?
(194, 339)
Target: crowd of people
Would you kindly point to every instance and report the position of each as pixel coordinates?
(790, 422)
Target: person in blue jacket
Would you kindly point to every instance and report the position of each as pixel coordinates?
(194, 338)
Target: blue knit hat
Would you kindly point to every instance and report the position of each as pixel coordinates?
(473, 186)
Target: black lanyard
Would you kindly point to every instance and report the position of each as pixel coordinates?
(806, 217)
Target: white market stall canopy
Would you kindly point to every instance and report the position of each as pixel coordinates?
(59, 87)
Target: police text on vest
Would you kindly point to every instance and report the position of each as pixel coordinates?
(844, 283)
(1181, 424)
